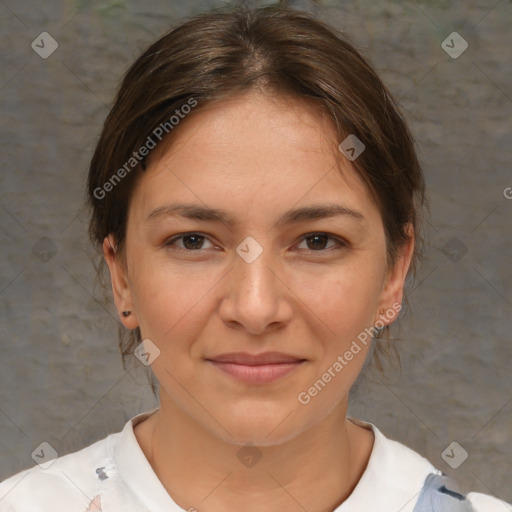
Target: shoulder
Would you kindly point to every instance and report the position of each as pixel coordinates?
(440, 494)
(392, 479)
(396, 464)
(399, 478)
(485, 503)
(67, 483)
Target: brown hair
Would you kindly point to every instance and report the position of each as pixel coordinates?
(285, 52)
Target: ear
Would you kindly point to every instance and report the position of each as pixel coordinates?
(393, 289)
(120, 287)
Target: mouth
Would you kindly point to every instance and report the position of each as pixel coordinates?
(257, 369)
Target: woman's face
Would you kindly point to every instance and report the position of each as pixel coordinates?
(258, 281)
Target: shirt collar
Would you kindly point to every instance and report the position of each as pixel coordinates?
(391, 481)
(393, 478)
(135, 469)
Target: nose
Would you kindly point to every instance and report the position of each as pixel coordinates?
(256, 299)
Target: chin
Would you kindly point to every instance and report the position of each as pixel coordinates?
(261, 426)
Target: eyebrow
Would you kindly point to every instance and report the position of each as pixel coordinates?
(198, 212)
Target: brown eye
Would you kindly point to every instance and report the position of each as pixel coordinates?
(193, 241)
(190, 242)
(317, 242)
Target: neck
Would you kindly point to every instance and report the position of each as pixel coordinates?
(315, 470)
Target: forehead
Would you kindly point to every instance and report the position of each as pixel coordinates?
(271, 121)
(253, 149)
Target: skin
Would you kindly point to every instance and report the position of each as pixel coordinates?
(256, 157)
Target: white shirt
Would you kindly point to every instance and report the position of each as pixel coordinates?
(115, 475)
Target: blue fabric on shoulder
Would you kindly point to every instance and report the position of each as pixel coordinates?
(436, 496)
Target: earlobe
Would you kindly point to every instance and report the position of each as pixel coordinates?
(392, 293)
(120, 285)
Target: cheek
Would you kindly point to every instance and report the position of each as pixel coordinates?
(168, 297)
(345, 300)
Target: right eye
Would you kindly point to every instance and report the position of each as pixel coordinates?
(190, 242)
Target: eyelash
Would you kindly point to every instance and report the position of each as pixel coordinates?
(341, 243)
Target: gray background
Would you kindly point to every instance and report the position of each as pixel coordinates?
(61, 378)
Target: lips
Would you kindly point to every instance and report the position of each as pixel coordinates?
(257, 359)
(256, 368)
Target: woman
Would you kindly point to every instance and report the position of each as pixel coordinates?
(257, 198)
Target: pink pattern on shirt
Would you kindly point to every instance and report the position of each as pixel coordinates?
(95, 505)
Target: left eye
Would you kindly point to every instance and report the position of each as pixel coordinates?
(319, 241)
